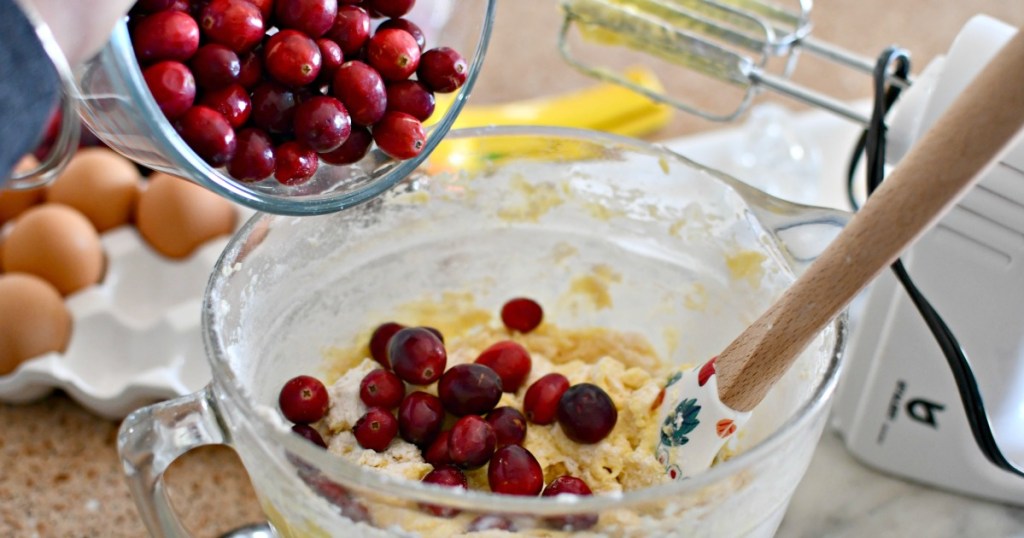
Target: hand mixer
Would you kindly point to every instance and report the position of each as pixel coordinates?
(896, 402)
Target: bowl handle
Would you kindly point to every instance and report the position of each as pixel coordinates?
(151, 438)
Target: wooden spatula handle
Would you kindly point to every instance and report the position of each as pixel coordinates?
(940, 168)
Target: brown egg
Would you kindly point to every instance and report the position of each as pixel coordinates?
(176, 216)
(33, 320)
(56, 243)
(14, 202)
(101, 184)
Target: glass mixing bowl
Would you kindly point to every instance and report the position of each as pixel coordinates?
(496, 213)
(116, 105)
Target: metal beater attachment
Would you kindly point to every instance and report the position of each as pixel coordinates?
(729, 40)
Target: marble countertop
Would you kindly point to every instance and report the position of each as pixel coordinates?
(59, 472)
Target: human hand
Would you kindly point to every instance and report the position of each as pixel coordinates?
(81, 27)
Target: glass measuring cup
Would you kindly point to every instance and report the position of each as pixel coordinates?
(501, 212)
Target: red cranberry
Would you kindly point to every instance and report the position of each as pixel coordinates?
(251, 72)
(514, 471)
(380, 338)
(215, 66)
(292, 58)
(303, 399)
(310, 434)
(509, 426)
(411, 97)
(237, 24)
(393, 53)
(540, 404)
(442, 69)
(569, 485)
(381, 388)
(152, 6)
(471, 443)
(322, 123)
(294, 163)
(436, 332)
(399, 135)
(311, 17)
(351, 29)
(254, 156)
(417, 356)
(586, 413)
(408, 26)
(351, 150)
(167, 35)
(208, 133)
(273, 107)
(491, 522)
(437, 453)
(361, 90)
(390, 8)
(375, 429)
(266, 8)
(172, 86)
(469, 389)
(331, 59)
(420, 417)
(510, 360)
(444, 476)
(231, 101)
(522, 314)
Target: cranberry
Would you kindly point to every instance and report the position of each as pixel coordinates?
(310, 434)
(408, 26)
(303, 399)
(361, 90)
(468, 389)
(540, 404)
(514, 471)
(167, 35)
(522, 314)
(172, 86)
(192, 7)
(436, 453)
(399, 135)
(411, 97)
(266, 8)
(420, 417)
(391, 8)
(254, 156)
(351, 150)
(322, 123)
(442, 69)
(471, 442)
(231, 101)
(375, 429)
(436, 332)
(509, 426)
(273, 107)
(251, 72)
(331, 59)
(381, 336)
(569, 485)
(292, 58)
(491, 522)
(393, 53)
(417, 356)
(152, 6)
(510, 360)
(311, 17)
(381, 388)
(208, 133)
(351, 29)
(586, 413)
(444, 476)
(215, 66)
(294, 163)
(237, 24)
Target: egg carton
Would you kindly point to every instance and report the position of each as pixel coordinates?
(136, 336)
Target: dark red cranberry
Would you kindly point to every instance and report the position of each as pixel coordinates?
(322, 123)
(303, 399)
(381, 388)
(442, 69)
(351, 29)
(310, 434)
(420, 417)
(491, 522)
(408, 26)
(444, 476)
(390, 8)
(381, 336)
(266, 8)
(540, 404)
(399, 135)
(251, 72)
(471, 443)
(311, 17)
(215, 66)
(192, 7)
(236, 24)
(437, 453)
(469, 389)
(514, 471)
(586, 413)
(375, 429)
(353, 149)
(569, 485)
(152, 6)
(292, 58)
(231, 101)
(436, 332)
(273, 107)
(522, 314)
(411, 97)
(361, 90)
(172, 86)
(509, 425)
(331, 59)
(417, 356)
(167, 35)
(208, 133)
(510, 360)
(393, 53)
(295, 163)
(254, 156)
